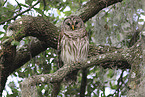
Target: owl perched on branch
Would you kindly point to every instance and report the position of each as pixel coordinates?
(73, 44)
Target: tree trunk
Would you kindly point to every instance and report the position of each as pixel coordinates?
(137, 74)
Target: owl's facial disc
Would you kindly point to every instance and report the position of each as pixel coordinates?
(73, 23)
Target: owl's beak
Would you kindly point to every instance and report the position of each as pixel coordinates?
(73, 27)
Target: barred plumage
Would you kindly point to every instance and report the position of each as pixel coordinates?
(74, 50)
(73, 43)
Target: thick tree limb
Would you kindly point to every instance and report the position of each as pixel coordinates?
(126, 56)
(45, 31)
(93, 7)
(26, 26)
(137, 83)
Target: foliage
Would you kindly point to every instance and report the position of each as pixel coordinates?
(118, 23)
(112, 26)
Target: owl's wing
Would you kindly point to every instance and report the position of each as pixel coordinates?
(60, 63)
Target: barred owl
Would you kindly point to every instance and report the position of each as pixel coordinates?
(73, 44)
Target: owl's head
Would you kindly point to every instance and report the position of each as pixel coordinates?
(72, 23)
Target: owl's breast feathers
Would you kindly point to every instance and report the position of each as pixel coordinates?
(74, 48)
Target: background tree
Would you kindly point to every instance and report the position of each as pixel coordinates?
(116, 57)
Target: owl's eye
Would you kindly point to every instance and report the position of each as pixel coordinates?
(68, 24)
(76, 23)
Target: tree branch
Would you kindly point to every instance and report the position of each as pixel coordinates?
(92, 7)
(125, 56)
(14, 17)
(45, 31)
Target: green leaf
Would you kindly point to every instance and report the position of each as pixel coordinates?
(1, 32)
(67, 13)
(39, 11)
(113, 86)
(15, 42)
(110, 74)
(141, 20)
(29, 2)
(58, 11)
(118, 36)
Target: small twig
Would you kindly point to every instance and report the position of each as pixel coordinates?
(119, 86)
(44, 3)
(20, 13)
(5, 2)
(19, 5)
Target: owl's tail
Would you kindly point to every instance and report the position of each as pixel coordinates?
(71, 78)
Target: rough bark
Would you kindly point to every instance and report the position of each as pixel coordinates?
(94, 6)
(137, 74)
(11, 60)
(47, 33)
(125, 56)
